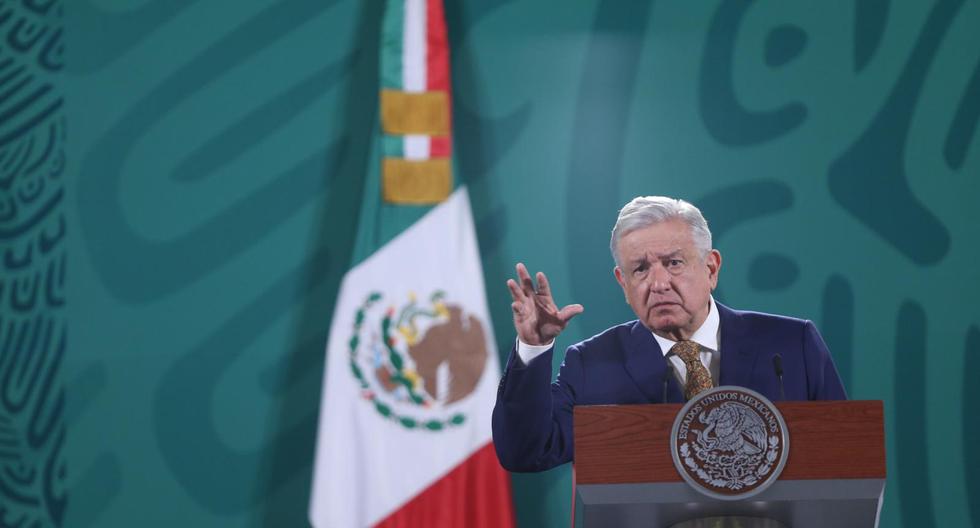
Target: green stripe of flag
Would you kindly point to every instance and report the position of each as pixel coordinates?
(392, 35)
(392, 146)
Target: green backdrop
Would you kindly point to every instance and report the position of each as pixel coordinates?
(180, 183)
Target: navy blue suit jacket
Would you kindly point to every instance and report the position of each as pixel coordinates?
(532, 418)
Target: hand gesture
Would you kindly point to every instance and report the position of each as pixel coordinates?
(537, 318)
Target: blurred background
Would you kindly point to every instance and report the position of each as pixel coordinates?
(197, 169)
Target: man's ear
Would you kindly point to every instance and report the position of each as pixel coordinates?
(619, 277)
(622, 282)
(713, 261)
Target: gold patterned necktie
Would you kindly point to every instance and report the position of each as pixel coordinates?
(698, 377)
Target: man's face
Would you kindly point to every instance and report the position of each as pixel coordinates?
(665, 279)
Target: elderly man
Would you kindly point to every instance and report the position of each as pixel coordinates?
(682, 342)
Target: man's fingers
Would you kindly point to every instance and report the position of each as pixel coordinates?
(526, 283)
(534, 308)
(543, 287)
(515, 291)
(522, 274)
(566, 313)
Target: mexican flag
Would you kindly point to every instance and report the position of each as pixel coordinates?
(411, 371)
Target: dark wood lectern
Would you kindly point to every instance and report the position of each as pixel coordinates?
(835, 474)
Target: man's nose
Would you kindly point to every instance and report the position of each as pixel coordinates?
(659, 279)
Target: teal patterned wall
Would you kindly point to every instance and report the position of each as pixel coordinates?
(172, 245)
(33, 265)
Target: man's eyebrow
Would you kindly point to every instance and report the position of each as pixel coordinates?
(659, 256)
(642, 259)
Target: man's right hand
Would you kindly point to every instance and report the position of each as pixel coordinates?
(537, 318)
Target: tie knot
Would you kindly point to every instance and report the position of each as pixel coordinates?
(687, 351)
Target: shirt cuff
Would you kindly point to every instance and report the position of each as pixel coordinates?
(528, 352)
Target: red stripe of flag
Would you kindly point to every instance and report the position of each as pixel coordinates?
(437, 47)
(437, 68)
(440, 146)
(475, 494)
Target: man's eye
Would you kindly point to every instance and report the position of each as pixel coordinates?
(674, 263)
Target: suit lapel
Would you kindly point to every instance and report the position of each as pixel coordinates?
(645, 363)
(738, 356)
(647, 367)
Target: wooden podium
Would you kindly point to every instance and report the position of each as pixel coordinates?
(835, 474)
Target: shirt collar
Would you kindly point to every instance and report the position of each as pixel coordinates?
(706, 335)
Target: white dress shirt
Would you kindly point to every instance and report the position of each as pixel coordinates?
(707, 336)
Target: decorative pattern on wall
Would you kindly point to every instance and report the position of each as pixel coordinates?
(33, 326)
(217, 160)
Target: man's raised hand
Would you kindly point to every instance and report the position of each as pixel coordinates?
(537, 318)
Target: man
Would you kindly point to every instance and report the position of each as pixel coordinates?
(682, 342)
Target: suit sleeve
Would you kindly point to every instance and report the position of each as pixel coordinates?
(532, 417)
(823, 382)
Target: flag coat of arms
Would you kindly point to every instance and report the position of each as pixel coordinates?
(411, 369)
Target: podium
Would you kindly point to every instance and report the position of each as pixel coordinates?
(624, 475)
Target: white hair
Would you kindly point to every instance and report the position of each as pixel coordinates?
(644, 211)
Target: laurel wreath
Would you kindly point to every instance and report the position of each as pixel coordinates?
(723, 471)
(397, 362)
